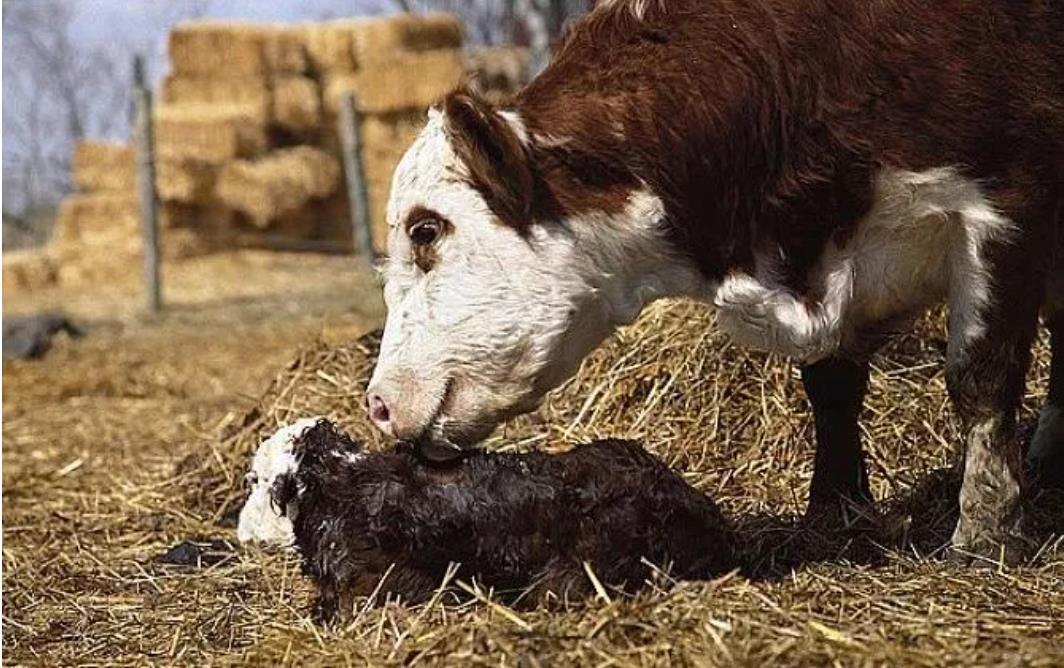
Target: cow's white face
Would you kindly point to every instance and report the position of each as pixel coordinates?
(486, 311)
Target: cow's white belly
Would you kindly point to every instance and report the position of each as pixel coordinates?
(921, 242)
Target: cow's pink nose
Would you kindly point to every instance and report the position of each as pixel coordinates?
(379, 414)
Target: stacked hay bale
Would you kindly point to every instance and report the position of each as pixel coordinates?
(267, 100)
(497, 71)
(396, 67)
(246, 141)
(97, 230)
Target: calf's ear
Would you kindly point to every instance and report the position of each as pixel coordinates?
(283, 494)
(495, 155)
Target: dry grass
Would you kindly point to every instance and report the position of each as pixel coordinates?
(92, 495)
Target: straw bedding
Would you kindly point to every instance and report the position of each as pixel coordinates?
(732, 423)
(736, 425)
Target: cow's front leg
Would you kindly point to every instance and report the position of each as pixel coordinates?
(836, 389)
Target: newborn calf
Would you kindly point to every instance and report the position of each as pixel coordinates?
(522, 524)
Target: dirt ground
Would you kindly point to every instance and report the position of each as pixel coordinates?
(106, 439)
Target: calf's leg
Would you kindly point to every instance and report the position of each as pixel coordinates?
(836, 389)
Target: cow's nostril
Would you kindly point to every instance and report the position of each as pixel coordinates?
(378, 413)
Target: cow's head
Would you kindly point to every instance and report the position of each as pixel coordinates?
(496, 292)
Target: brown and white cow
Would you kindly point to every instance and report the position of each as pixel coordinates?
(820, 171)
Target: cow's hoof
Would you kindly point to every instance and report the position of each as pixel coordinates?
(990, 553)
(841, 514)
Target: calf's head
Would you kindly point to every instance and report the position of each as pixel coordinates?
(496, 287)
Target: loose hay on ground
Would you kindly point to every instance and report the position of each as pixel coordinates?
(734, 423)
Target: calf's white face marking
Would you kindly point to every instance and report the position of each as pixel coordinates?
(259, 520)
(502, 316)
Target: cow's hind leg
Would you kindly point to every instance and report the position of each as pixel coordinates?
(836, 389)
(996, 291)
(1045, 459)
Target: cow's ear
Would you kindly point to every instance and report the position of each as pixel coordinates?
(496, 157)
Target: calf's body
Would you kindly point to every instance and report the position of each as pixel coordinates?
(819, 171)
(523, 525)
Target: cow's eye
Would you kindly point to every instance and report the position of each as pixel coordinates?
(426, 231)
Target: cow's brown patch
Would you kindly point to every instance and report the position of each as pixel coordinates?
(496, 158)
(761, 124)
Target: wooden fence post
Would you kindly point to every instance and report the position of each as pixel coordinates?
(357, 196)
(145, 145)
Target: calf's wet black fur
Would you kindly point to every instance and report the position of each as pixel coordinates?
(521, 524)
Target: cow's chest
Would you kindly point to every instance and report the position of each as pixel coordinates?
(920, 243)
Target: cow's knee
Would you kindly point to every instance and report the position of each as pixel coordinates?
(1045, 458)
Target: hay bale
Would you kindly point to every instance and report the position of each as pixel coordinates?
(186, 180)
(393, 129)
(292, 102)
(380, 38)
(96, 221)
(278, 184)
(285, 50)
(109, 221)
(181, 243)
(403, 81)
(28, 270)
(99, 237)
(211, 220)
(379, 165)
(207, 48)
(331, 45)
(104, 167)
(210, 133)
(251, 93)
(344, 46)
(296, 104)
(386, 137)
(497, 72)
